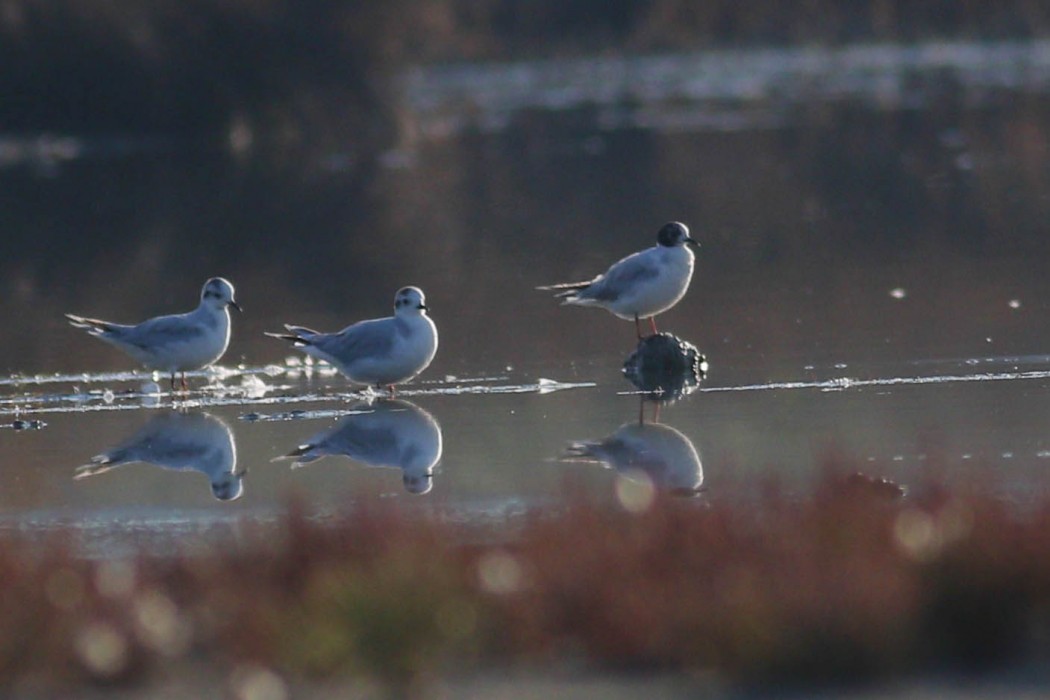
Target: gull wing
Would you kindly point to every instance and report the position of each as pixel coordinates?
(362, 340)
(159, 331)
(621, 277)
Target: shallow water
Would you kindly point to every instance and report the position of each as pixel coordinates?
(871, 286)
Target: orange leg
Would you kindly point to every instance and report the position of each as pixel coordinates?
(182, 383)
(638, 328)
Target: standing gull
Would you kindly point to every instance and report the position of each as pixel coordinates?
(379, 352)
(641, 285)
(176, 343)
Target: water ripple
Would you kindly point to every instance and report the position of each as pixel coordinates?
(842, 383)
(253, 389)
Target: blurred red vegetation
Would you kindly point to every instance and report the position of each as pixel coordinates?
(853, 582)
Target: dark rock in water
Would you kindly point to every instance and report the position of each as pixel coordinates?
(666, 366)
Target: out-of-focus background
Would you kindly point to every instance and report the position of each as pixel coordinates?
(322, 154)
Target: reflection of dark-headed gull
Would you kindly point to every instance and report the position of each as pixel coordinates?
(393, 434)
(641, 285)
(659, 451)
(174, 343)
(379, 352)
(182, 441)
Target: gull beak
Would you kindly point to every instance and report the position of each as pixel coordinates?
(423, 307)
(692, 241)
(235, 305)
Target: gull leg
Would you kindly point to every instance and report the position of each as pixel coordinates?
(173, 382)
(185, 386)
(652, 322)
(637, 328)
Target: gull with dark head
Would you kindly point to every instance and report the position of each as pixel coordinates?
(176, 343)
(641, 285)
(379, 352)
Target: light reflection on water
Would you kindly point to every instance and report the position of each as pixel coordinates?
(492, 439)
(489, 456)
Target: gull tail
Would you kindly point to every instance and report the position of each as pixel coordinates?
(298, 336)
(91, 325)
(286, 336)
(566, 290)
(565, 286)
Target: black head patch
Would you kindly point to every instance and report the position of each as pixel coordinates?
(672, 234)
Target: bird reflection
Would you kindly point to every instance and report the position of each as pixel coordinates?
(654, 451)
(392, 434)
(183, 441)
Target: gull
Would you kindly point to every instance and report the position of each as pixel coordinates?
(378, 352)
(392, 434)
(176, 343)
(641, 285)
(180, 441)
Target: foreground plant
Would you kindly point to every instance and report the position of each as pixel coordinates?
(853, 582)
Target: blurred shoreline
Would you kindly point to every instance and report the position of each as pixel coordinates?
(278, 74)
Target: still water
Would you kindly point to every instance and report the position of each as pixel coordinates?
(871, 285)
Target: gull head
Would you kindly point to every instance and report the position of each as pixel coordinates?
(675, 234)
(218, 293)
(410, 300)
